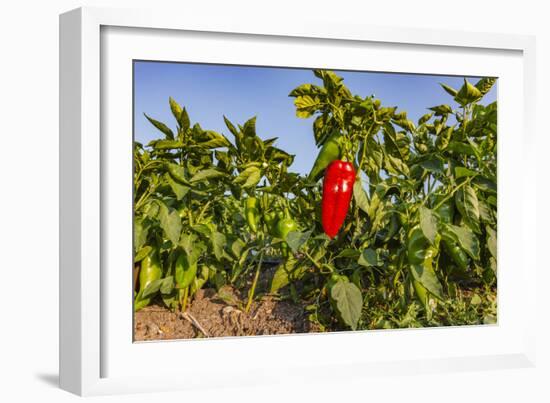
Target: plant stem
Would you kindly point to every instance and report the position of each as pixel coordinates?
(254, 283)
(203, 210)
(185, 295)
(452, 192)
(144, 197)
(315, 263)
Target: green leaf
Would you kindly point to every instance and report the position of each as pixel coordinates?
(185, 270)
(450, 90)
(280, 278)
(206, 174)
(167, 285)
(461, 172)
(433, 165)
(152, 288)
(175, 108)
(189, 243)
(443, 138)
(424, 118)
(249, 128)
(484, 184)
(184, 121)
(360, 196)
(466, 239)
(143, 252)
(227, 296)
(349, 253)
(493, 264)
(166, 144)
(468, 94)
(426, 276)
(177, 173)
(405, 124)
(468, 206)
(441, 110)
(492, 241)
(369, 257)
(201, 279)
(218, 242)
(249, 177)
(476, 300)
(202, 229)
(297, 239)
(485, 212)
(278, 155)
(170, 223)
(485, 84)
(397, 144)
(140, 234)
(306, 106)
(236, 246)
(289, 270)
(461, 148)
(232, 128)
(428, 224)
(179, 190)
(162, 127)
(306, 89)
(396, 165)
(171, 300)
(349, 302)
(215, 140)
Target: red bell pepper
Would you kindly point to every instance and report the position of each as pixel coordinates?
(337, 191)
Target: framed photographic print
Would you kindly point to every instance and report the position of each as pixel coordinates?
(265, 193)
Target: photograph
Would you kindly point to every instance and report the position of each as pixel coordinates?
(270, 200)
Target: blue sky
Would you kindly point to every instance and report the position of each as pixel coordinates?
(241, 92)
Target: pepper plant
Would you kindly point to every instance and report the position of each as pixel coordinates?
(402, 237)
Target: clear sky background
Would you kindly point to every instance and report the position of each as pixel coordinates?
(240, 92)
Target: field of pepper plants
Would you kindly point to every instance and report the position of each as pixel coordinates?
(394, 227)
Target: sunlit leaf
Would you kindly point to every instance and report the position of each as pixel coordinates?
(485, 84)
(461, 172)
(492, 241)
(171, 224)
(297, 239)
(349, 302)
(162, 127)
(249, 177)
(450, 90)
(179, 190)
(143, 252)
(468, 206)
(152, 288)
(441, 110)
(466, 238)
(468, 94)
(206, 174)
(426, 276)
(306, 106)
(428, 224)
(360, 196)
(218, 242)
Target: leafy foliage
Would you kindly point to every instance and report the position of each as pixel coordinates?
(189, 187)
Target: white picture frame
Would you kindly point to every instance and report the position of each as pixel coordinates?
(95, 351)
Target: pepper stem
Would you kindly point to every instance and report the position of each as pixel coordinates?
(254, 283)
(185, 295)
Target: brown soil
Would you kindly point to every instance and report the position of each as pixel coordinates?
(211, 316)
